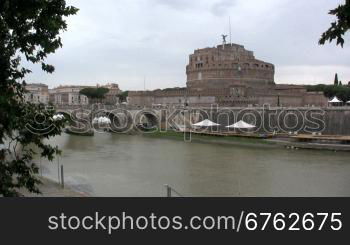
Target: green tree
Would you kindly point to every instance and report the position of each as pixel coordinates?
(123, 96)
(28, 29)
(95, 94)
(340, 26)
(101, 93)
(336, 81)
(88, 92)
(342, 92)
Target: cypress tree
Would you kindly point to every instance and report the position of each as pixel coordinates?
(336, 82)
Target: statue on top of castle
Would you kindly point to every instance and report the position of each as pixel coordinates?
(224, 38)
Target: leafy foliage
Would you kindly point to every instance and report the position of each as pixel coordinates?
(340, 26)
(29, 29)
(123, 96)
(342, 92)
(95, 93)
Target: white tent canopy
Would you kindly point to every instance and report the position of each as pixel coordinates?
(101, 120)
(348, 102)
(335, 100)
(205, 123)
(58, 117)
(242, 125)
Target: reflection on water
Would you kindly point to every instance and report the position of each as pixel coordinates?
(124, 165)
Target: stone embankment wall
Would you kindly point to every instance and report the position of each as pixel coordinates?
(333, 121)
(329, 120)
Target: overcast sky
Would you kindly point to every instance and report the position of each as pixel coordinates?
(124, 41)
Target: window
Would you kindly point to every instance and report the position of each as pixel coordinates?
(199, 75)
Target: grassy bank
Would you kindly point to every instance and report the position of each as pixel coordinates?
(50, 188)
(210, 139)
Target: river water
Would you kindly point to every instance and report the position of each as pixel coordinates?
(128, 166)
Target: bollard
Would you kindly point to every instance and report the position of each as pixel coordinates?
(62, 177)
(168, 190)
(58, 170)
(41, 167)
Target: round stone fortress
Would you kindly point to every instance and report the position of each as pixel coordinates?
(227, 66)
(228, 75)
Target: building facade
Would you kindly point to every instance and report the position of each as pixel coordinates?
(68, 95)
(111, 98)
(37, 93)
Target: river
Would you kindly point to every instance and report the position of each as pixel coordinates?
(128, 166)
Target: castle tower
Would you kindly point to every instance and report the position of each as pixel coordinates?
(227, 66)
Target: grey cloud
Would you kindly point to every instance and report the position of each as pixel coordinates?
(176, 4)
(124, 40)
(222, 7)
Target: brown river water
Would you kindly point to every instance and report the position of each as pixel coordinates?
(128, 166)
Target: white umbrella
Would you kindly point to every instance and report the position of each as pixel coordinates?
(205, 123)
(58, 117)
(101, 120)
(348, 102)
(335, 100)
(105, 120)
(241, 124)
